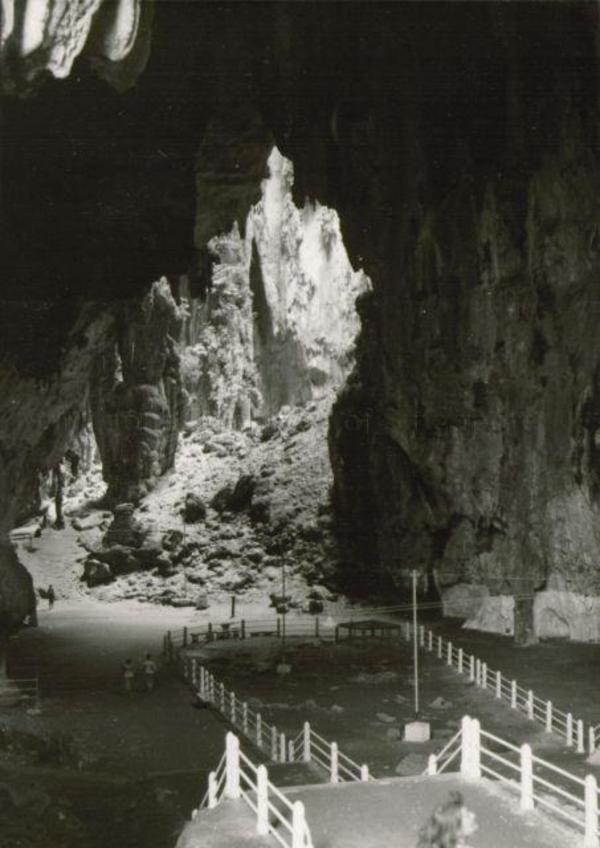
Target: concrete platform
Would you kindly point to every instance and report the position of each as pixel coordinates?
(384, 813)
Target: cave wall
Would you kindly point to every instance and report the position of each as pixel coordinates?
(458, 143)
(136, 396)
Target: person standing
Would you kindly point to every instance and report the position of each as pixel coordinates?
(149, 669)
(128, 675)
(51, 596)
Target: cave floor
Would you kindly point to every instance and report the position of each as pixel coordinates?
(124, 769)
(132, 766)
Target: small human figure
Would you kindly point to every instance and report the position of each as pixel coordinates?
(51, 594)
(149, 669)
(128, 675)
(449, 825)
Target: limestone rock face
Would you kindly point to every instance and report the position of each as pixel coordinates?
(137, 400)
(48, 35)
(278, 323)
(17, 598)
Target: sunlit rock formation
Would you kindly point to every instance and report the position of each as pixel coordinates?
(39, 36)
(278, 323)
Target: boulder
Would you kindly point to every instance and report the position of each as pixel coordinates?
(260, 510)
(172, 539)
(124, 529)
(241, 496)
(119, 558)
(87, 522)
(220, 502)
(201, 601)
(194, 509)
(96, 573)
(269, 431)
(464, 600)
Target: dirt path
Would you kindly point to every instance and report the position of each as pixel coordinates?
(131, 766)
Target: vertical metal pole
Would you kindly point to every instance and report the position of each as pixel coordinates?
(415, 642)
(233, 606)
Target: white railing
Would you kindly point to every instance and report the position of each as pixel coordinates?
(308, 746)
(537, 782)
(544, 712)
(556, 721)
(236, 776)
(20, 689)
(315, 627)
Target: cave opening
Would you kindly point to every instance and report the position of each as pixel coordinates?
(296, 301)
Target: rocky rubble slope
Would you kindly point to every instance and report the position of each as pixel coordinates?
(237, 507)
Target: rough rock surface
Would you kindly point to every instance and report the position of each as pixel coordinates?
(137, 398)
(278, 324)
(272, 509)
(457, 143)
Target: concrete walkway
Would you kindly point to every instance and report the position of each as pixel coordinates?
(385, 813)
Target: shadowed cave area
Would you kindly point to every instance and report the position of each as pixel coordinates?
(299, 292)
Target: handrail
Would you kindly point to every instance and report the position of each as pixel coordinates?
(264, 799)
(267, 737)
(476, 759)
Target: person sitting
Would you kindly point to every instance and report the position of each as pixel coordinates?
(449, 825)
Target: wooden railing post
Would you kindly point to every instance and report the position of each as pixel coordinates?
(232, 765)
(591, 740)
(232, 707)
(471, 669)
(222, 697)
(440, 647)
(548, 716)
(460, 660)
(470, 763)
(333, 772)
(526, 778)
(245, 717)
(432, 765)
(580, 737)
(262, 801)
(282, 748)
(484, 675)
(530, 704)
(258, 730)
(298, 825)
(364, 773)
(498, 684)
(449, 655)
(274, 744)
(513, 694)
(430, 640)
(569, 729)
(306, 742)
(212, 790)
(591, 812)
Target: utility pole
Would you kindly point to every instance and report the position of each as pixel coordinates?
(283, 608)
(415, 642)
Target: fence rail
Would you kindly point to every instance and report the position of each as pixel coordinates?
(544, 712)
(534, 779)
(236, 776)
(19, 690)
(536, 709)
(307, 746)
